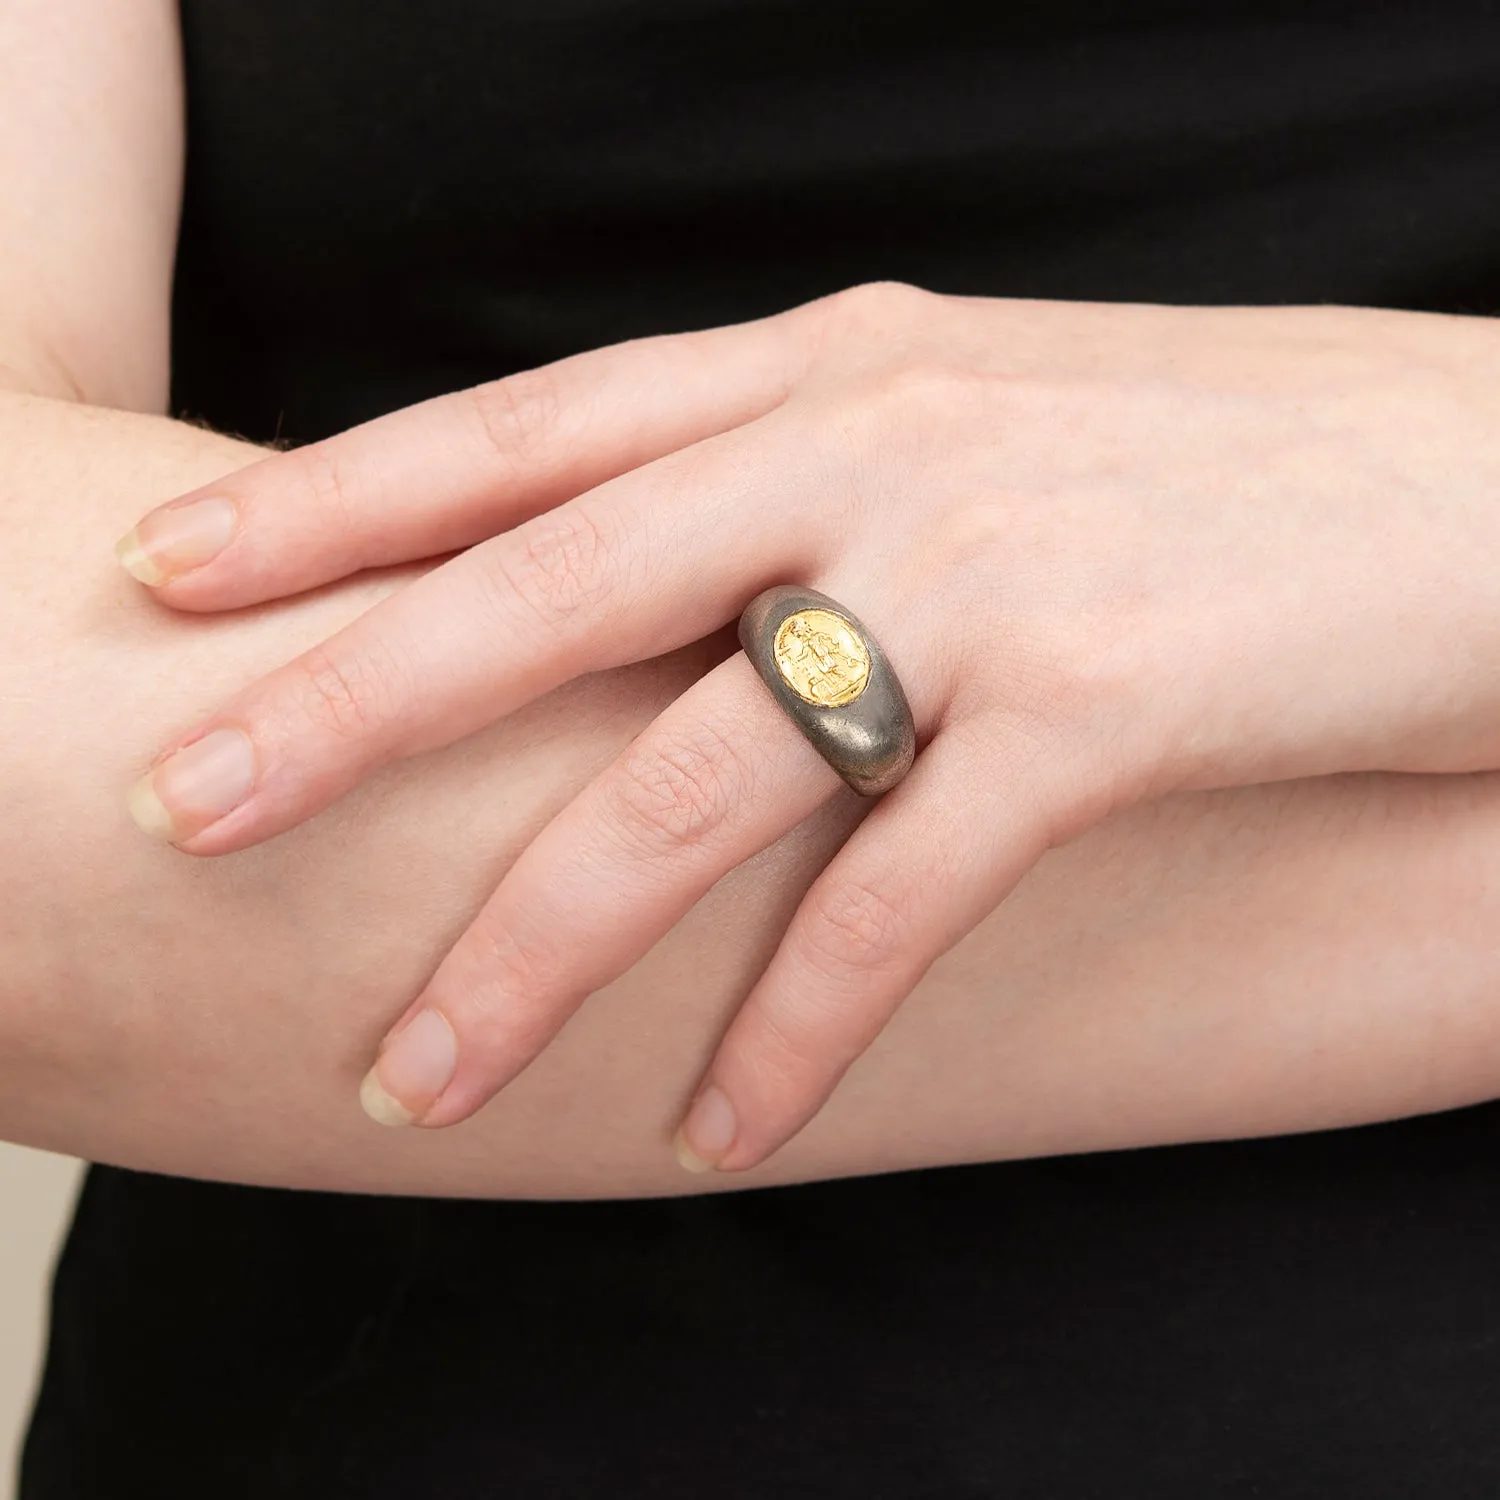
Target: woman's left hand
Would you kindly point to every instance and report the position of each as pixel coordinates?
(1110, 551)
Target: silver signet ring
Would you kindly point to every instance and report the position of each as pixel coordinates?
(825, 669)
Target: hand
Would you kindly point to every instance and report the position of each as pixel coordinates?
(1111, 551)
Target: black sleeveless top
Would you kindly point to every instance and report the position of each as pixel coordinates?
(391, 198)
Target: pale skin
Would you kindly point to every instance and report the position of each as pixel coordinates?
(1112, 551)
(1211, 963)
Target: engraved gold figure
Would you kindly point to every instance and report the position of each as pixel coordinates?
(821, 657)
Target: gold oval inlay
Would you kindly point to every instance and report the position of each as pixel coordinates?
(821, 657)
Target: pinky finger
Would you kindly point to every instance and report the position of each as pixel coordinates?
(918, 873)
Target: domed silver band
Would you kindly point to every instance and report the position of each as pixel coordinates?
(870, 739)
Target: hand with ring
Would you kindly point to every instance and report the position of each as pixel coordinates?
(1069, 555)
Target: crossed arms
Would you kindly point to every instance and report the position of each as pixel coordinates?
(1276, 958)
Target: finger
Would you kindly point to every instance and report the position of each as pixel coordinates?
(447, 472)
(929, 863)
(717, 777)
(646, 563)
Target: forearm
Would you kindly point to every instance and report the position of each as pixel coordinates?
(1215, 964)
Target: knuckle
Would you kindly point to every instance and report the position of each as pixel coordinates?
(501, 967)
(928, 391)
(504, 964)
(877, 304)
(853, 928)
(914, 414)
(500, 1000)
(332, 490)
(347, 696)
(800, 1048)
(781, 1057)
(867, 316)
(559, 564)
(518, 415)
(981, 531)
(667, 796)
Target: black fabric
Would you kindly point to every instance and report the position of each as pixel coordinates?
(1301, 1318)
(387, 199)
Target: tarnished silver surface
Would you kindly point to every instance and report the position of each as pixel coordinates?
(869, 738)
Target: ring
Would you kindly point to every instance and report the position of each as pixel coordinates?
(823, 667)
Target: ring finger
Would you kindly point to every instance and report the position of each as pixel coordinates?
(719, 776)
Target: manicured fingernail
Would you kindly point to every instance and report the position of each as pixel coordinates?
(412, 1071)
(708, 1132)
(175, 539)
(194, 787)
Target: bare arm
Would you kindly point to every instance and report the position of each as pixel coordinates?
(1214, 964)
(1266, 960)
(91, 141)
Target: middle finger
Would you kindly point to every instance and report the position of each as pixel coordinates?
(641, 565)
(720, 775)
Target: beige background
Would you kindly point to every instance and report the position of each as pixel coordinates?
(36, 1195)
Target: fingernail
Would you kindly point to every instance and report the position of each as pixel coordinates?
(194, 787)
(175, 539)
(412, 1071)
(708, 1132)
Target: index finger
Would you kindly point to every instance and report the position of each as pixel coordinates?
(644, 564)
(452, 470)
